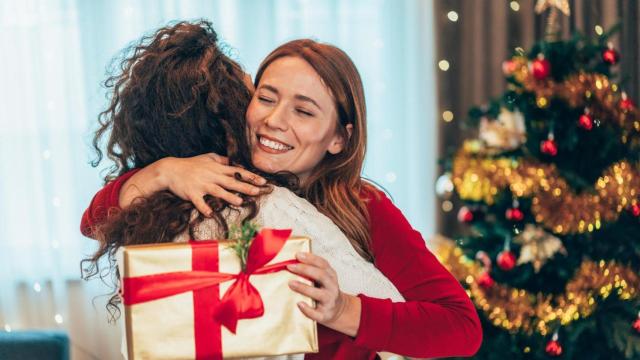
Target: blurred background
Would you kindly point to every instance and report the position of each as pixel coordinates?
(424, 63)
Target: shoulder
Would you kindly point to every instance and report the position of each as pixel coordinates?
(377, 201)
(285, 202)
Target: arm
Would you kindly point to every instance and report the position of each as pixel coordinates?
(438, 319)
(103, 201)
(188, 178)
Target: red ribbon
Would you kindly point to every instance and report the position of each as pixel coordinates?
(241, 301)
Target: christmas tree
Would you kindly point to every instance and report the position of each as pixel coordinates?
(551, 193)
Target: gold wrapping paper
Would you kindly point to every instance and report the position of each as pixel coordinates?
(164, 328)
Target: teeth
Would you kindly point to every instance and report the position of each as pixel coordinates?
(273, 144)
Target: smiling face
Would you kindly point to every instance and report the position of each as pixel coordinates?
(292, 119)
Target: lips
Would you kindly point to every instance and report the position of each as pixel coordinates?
(273, 146)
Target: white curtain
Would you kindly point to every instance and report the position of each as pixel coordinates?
(53, 58)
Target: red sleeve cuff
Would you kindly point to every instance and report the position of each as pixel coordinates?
(376, 323)
(107, 198)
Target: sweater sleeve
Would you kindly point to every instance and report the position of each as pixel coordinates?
(438, 319)
(104, 200)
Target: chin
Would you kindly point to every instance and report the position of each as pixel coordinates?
(265, 165)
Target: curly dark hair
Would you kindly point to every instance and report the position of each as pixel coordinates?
(174, 94)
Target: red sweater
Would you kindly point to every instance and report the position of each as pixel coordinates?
(437, 320)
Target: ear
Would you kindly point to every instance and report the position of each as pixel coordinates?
(337, 144)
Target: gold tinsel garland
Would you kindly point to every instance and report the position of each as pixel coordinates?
(591, 90)
(519, 310)
(554, 204)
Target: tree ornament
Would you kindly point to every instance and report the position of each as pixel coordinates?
(549, 146)
(507, 132)
(508, 67)
(610, 55)
(636, 324)
(485, 280)
(586, 121)
(444, 185)
(553, 347)
(540, 67)
(635, 210)
(514, 214)
(506, 260)
(626, 104)
(537, 246)
(465, 215)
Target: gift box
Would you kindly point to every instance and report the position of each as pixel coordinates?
(193, 300)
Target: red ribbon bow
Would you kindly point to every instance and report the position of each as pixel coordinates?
(241, 301)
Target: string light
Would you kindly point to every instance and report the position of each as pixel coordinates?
(447, 206)
(37, 287)
(452, 15)
(7, 327)
(447, 116)
(599, 30)
(58, 318)
(443, 65)
(515, 6)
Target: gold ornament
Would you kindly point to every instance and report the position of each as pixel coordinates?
(537, 246)
(554, 204)
(507, 132)
(518, 310)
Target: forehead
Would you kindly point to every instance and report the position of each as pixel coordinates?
(293, 75)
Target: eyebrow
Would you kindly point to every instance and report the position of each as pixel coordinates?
(297, 96)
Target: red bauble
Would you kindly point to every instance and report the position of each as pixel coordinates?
(549, 147)
(585, 122)
(514, 214)
(636, 325)
(465, 215)
(553, 348)
(635, 210)
(485, 280)
(627, 104)
(506, 260)
(610, 56)
(541, 68)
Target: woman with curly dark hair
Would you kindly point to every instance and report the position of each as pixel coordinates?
(177, 95)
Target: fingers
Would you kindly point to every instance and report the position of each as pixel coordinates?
(246, 175)
(315, 293)
(310, 312)
(239, 186)
(312, 259)
(218, 158)
(221, 193)
(201, 205)
(313, 273)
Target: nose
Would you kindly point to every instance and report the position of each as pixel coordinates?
(277, 119)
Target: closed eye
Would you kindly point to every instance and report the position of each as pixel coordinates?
(266, 100)
(304, 112)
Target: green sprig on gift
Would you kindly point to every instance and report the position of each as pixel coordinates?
(242, 237)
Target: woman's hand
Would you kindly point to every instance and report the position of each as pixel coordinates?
(193, 178)
(334, 309)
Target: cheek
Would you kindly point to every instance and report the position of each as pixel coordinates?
(253, 114)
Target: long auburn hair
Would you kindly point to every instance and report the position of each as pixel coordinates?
(335, 186)
(175, 94)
